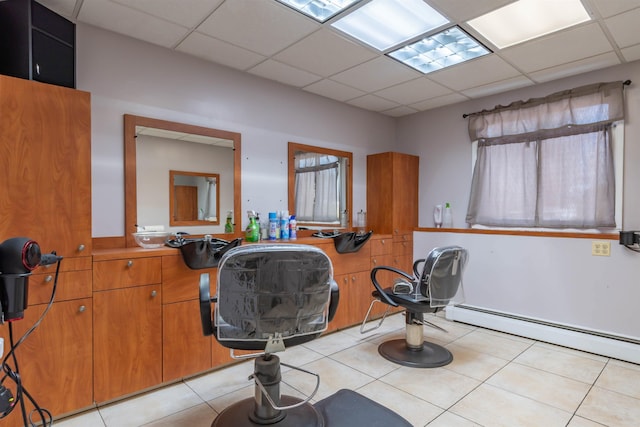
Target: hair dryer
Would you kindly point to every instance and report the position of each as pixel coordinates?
(18, 257)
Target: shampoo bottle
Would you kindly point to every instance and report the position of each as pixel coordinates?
(228, 226)
(447, 220)
(252, 233)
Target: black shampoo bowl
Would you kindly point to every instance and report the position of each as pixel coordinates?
(204, 252)
(350, 242)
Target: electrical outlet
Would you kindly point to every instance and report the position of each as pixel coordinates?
(601, 248)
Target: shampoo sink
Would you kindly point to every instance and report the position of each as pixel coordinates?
(203, 252)
(350, 242)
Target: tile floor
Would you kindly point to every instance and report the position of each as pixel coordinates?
(495, 379)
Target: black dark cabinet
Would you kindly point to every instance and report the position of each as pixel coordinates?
(36, 43)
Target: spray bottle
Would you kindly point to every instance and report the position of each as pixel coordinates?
(228, 226)
(252, 232)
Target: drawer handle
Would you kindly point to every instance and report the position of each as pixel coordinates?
(130, 263)
(48, 278)
(154, 294)
(81, 248)
(82, 308)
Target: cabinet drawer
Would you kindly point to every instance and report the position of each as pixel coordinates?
(122, 273)
(180, 283)
(71, 285)
(403, 247)
(349, 262)
(381, 246)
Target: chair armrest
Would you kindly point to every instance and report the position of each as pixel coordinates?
(205, 306)
(333, 300)
(415, 268)
(374, 280)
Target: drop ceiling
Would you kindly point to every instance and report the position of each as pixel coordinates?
(270, 40)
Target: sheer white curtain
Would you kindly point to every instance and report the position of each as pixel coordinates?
(316, 187)
(547, 162)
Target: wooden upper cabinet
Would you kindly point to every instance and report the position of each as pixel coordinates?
(45, 165)
(392, 193)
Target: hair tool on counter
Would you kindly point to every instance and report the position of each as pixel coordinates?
(19, 256)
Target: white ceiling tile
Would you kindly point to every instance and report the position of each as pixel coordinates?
(372, 102)
(631, 53)
(608, 8)
(413, 91)
(562, 47)
(463, 10)
(376, 74)
(439, 102)
(188, 13)
(130, 22)
(577, 67)
(284, 73)
(497, 87)
(214, 50)
(400, 111)
(624, 28)
(477, 72)
(325, 53)
(333, 90)
(265, 27)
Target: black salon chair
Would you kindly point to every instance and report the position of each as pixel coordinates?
(270, 297)
(436, 283)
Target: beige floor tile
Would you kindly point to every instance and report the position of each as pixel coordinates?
(627, 365)
(392, 323)
(222, 402)
(577, 421)
(364, 357)
(332, 343)
(333, 377)
(448, 419)
(149, 407)
(298, 355)
(91, 418)
(479, 366)
(493, 407)
(411, 408)
(439, 386)
(222, 381)
(502, 346)
(509, 336)
(621, 379)
(541, 386)
(199, 416)
(572, 351)
(610, 408)
(574, 365)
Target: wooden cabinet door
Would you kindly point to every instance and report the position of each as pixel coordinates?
(127, 341)
(185, 349)
(355, 291)
(45, 165)
(55, 360)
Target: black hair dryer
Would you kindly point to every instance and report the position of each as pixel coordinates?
(18, 257)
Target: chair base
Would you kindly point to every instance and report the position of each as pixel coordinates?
(430, 355)
(237, 415)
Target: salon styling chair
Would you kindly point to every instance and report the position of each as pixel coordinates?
(436, 282)
(270, 297)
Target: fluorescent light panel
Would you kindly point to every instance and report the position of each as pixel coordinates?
(444, 49)
(527, 19)
(320, 10)
(383, 24)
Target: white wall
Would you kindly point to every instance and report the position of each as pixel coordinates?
(126, 76)
(551, 279)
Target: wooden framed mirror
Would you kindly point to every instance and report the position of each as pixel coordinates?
(142, 167)
(320, 186)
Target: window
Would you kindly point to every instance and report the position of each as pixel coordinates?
(547, 162)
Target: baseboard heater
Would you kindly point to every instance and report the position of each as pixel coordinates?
(601, 343)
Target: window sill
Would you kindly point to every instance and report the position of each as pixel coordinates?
(565, 234)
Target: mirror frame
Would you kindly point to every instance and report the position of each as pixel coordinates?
(293, 147)
(130, 174)
(172, 198)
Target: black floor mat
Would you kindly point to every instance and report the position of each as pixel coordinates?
(347, 408)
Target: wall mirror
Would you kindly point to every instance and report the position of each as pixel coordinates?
(320, 185)
(194, 198)
(154, 148)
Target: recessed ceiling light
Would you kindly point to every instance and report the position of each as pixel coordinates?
(444, 49)
(527, 19)
(386, 23)
(320, 10)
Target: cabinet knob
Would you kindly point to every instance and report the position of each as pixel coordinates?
(81, 248)
(82, 308)
(375, 261)
(48, 278)
(353, 278)
(130, 263)
(153, 294)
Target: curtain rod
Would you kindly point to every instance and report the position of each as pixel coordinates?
(624, 83)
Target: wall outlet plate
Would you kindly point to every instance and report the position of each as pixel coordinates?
(601, 248)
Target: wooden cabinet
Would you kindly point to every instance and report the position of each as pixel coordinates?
(392, 193)
(45, 165)
(127, 321)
